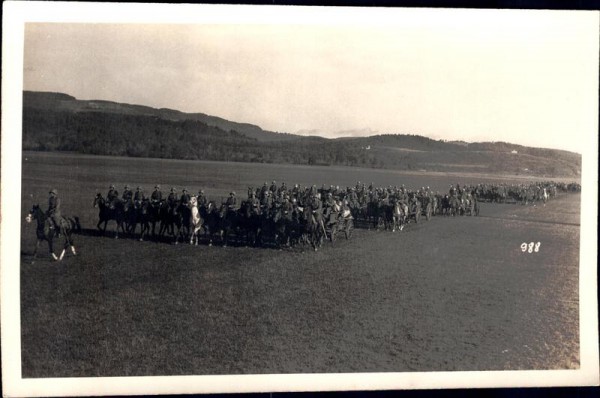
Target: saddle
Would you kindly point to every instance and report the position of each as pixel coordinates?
(62, 225)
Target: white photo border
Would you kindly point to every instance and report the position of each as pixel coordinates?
(17, 14)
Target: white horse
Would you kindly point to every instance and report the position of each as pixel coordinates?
(399, 216)
(195, 221)
(545, 196)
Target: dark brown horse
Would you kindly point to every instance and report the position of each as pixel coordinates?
(110, 211)
(45, 231)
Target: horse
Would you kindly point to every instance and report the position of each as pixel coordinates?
(45, 232)
(456, 207)
(171, 221)
(110, 211)
(471, 207)
(312, 229)
(273, 225)
(249, 222)
(229, 222)
(195, 221)
(213, 221)
(399, 215)
(141, 214)
(545, 196)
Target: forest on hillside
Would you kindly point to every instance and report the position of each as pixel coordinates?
(58, 122)
(147, 136)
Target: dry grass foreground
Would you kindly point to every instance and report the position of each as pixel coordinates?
(449, 294)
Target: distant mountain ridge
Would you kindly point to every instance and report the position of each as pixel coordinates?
(60, 122)
(65, 102)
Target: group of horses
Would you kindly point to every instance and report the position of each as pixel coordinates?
(179, 222)
(524, 194)
(272, 225)
(394, 214)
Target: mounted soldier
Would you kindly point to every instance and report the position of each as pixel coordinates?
(264, 190)
(452, 191)
(287, 208)
(202, 201)
(266, 201)
(282, 189)
(316, 207)
(53, 212)
(127, 194)
(139, 196)
(231, 202)
(156, 196)
(254, 203)
(273, 188)
(296, 191)
(112, 194)
(185, 197)
(172, 198)
(328, 205)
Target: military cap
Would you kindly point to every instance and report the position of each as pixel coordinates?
(54, 191)
(157, 186)
(112, 186)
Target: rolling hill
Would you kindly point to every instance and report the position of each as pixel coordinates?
(60, 122)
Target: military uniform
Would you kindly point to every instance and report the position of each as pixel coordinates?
(317, 208)
(273, 187)
(264, 190)
(156, 196)
(266, 201)
(54, 208)
(127, 194)
(172, 198)
(282, 189)
(139, 195)
(254, 204)
(185, 197)
(287, 209)
(202, 201)
(231, 202)
(112, 194)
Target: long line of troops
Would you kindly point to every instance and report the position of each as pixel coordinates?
(357, 197)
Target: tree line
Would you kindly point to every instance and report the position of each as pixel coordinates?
(101, 133)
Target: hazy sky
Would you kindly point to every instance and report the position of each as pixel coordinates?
(522, 77)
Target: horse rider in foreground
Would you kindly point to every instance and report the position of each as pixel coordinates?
(53, 212)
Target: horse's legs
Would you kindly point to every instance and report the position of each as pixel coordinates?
(37, 245)
(51, 249)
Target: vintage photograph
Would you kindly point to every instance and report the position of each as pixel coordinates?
(387, 192)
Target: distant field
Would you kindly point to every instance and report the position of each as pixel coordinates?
(448, 294)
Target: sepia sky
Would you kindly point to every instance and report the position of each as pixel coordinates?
(527, 77)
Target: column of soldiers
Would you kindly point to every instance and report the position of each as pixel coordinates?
(327, 203)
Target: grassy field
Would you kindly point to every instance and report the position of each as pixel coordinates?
(448, 294)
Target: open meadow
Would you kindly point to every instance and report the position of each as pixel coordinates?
(449, 294)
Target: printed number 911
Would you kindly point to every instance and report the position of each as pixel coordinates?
(530, 247)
